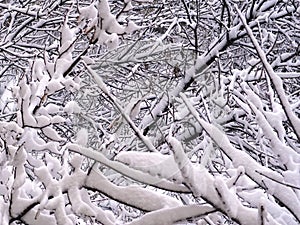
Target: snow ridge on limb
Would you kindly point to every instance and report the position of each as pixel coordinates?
(239, 158)
(127, 171)
(133, 195)
(98, 18)
(153, 163)
(204, 185)
(286, 154)
(172, 215)
(275, 79)
(184, 165)
(204, 61)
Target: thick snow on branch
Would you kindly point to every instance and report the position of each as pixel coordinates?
(106, 27)
(131, 195)
(276, 80)
(127, 171)
(252, 168)
(213, 190)
(172, 215)
(73, 140)
(287, 155)
(153, 163)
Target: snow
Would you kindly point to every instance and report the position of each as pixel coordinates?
(131, 27)
(136, 196)
(4, 215)
(52, 134)
(6, 94)
(208, 155)
(112, 41)
(62, 65)
(146, 141)
(274, 118)
(110, 24)
(70, 84)
(276, 80)
(3, 190)
(38, 69)
(103, 216)
(231, 203)
(38, 218)
(52, 108)
(57, 119)
(172, 215)
(32, 142)
(82, 137)
(66, 187)
(76, 161)
(42, 121)
(104, 9)
(183, 163)
(55, 189)
(88, 12)
(88, 60)
(45, 177)
(153, 163)
(293, 178)
(243, 105)
(127, 171)
(128, 6)
(142, 0)
(133, 108)
(66, 48)
(80, 208)
(53, 165)
(54, 85)
(98, 80)
(240, 158)
(67, 34)
(24, 91)
(277, 146)
(58, 204)
(72, 107)
(10, 131)
(234, 180)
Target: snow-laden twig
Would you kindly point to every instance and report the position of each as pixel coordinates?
(215, 192)
(275, 79)
(185, 166)
(25, 11)
(173, 215)
(239, 158)
(153, 163)
(127, 171)
(132, 195)
(286, 154)
(116, 103)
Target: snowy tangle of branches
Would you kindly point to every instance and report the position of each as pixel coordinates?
(149, 112)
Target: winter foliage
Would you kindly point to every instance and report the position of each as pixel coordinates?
(149, 112)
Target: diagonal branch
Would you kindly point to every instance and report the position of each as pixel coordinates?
(276, 80)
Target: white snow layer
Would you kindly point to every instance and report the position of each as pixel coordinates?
(172, 215)
(153, 163)
(136, 196)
